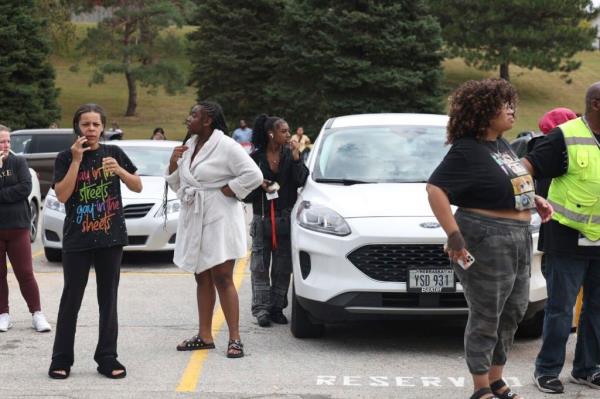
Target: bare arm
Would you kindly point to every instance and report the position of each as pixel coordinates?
(440, 205)
(64, 188)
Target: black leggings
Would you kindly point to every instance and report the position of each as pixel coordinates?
(76, 268)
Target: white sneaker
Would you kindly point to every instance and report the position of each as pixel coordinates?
(39, 322)
(5, 322)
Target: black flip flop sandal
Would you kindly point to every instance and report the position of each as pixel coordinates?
(54, 372)
(496, 386)
(236, 345)
(482, 392)
(195, 343)
(107, 367)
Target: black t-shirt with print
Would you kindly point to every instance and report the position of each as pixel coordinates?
(94, 210)
(484, 175)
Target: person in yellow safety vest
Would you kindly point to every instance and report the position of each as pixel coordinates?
(570, 155)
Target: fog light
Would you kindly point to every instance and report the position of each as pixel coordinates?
(304, 264)
(172, 239)
(51, 236)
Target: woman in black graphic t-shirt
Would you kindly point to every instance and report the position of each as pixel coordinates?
(87, 180)
(494, 195)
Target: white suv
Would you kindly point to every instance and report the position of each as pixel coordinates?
(363, 225)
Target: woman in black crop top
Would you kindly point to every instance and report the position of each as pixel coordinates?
(494, 194)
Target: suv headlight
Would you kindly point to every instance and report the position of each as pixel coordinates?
(535, 223)
(173, 206)
(322, 219)
(53, 203)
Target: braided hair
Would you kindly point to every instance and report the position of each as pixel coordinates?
(262, 125)
(215, 111)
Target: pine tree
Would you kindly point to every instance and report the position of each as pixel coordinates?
(234, 52)
(128, 43)
(27, 91)
(542, 34)
(344, 57)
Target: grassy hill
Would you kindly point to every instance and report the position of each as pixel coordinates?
(539, 91)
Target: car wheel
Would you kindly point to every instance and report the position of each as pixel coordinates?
(302, 326)
(53, 254)
(532, 327)
(35, 216)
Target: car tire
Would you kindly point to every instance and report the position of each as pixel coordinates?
(53, 254)
(35, 216)
(532, 327)
(301, 325)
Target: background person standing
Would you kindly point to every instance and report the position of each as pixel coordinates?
(15, 223)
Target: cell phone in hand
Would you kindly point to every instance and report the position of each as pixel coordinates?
(468, 263)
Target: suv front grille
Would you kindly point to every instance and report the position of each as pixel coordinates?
(390, 262)
(136, 211)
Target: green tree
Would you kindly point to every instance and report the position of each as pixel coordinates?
(27, 91)
(130, 42)
(59, 28)
(234, 52)
(542, 34)
(344, 57)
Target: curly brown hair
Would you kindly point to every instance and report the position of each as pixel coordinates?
(474, 104)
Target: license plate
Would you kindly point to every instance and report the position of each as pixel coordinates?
(431, 280)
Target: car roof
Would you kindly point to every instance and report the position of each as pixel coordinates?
(144, 143)
(386, 120)
(42, 131)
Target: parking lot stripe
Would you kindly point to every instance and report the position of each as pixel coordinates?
(191, 375)
(33, 256)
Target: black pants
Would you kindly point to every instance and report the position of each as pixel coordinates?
(76, 268)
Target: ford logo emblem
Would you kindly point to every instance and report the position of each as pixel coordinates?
(430, 225)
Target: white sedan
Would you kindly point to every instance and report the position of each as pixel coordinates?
(144, 214)
(365, 243)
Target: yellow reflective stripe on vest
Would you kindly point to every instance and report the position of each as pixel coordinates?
(580, 141)
(576, 217)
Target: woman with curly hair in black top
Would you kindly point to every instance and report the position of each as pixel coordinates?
(494, 194)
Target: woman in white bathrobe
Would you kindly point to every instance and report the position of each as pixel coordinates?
(210, 173)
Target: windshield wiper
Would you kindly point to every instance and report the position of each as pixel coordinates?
(345, 182)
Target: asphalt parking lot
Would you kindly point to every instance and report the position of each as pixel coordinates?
(405, 359)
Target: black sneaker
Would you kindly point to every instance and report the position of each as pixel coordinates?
(548, 384)
(278, 317)
(264, 320)
(592, 381)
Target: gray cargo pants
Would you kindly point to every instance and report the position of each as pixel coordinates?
(269, 292)
(496, 286)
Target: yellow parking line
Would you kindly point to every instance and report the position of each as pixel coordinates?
(33, 256)
(191, 375)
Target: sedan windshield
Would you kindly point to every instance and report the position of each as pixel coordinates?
(380, 154)
(150, 161)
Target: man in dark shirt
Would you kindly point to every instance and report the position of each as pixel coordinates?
(571, 260)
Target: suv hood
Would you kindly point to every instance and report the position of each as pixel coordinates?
(370, 200)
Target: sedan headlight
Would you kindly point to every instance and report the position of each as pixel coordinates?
(322, 219)
(173, 206)
(53, 203)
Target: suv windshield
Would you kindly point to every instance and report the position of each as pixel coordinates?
(380, 154)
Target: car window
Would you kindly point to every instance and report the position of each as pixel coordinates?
(19, 142)
(381, 153)
(49, 143)
(150, 161)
